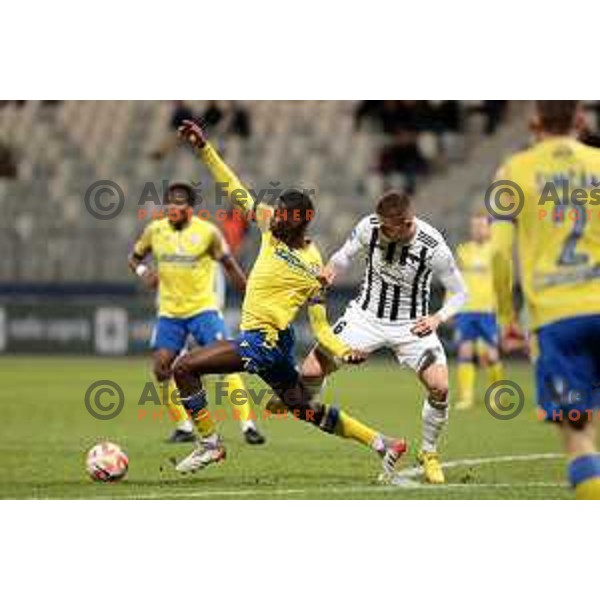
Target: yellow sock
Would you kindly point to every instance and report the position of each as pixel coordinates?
(584, 476)
(205, 423)
(349, 427)
(495, 372)
(176, 410)
(466, 381)
(241, 404)
(588, 490)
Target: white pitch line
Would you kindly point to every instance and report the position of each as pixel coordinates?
(404, 480)
(405, 475)
(390, 489)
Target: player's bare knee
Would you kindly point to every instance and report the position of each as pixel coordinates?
(161, 369)
(316, 366)
(492, 357)
(438, 395)
(465, 352)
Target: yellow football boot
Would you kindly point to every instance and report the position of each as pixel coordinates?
(432, 468)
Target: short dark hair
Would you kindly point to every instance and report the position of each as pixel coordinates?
(394, 203)
(294, 199)
(181, 185)
(556, 116)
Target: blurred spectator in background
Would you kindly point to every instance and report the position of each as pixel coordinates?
(446, 116)
(402, 156)
(181, 112)
(212, 116)
(8, 162)
(368, 111)
(233, 120)
(239, 120)
(494, 112)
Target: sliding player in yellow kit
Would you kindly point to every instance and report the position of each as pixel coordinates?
(186, 250)
(554, 217)
(285, 276)
(476, 326)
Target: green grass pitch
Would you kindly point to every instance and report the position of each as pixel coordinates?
(46, 431)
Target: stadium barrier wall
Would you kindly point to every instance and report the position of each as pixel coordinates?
(106, 323)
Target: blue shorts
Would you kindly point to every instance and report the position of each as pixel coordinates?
(273, 363)
(474, 326)
(567, 369)
(171, 333)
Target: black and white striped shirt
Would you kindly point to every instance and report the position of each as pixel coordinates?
(397, 281)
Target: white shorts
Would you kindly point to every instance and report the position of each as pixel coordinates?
(363, 331)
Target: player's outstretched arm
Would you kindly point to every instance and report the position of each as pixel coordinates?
(219, 251)
(236, 192)
(317, 316)
(341, 260)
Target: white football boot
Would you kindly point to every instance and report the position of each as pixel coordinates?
(206, 453)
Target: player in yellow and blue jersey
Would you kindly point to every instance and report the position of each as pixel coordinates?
(285, 276)
(186, 251)
(476, 327)
(553, 215)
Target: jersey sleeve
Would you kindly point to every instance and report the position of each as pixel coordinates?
(357, 241)
(317, 316)
(236, 191)
(143, 244)
(444, 268)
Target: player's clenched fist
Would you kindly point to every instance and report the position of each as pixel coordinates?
(355, 357)
(327, 275)
(193, 134)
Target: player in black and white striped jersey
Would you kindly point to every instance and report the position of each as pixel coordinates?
(403, 254)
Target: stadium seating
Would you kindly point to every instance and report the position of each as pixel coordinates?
(48, 235)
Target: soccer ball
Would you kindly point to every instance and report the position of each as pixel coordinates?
(106, 462)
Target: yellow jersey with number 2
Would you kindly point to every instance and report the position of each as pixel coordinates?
(557, 232)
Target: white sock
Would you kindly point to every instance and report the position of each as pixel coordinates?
(315, 387)
(433, 422)
(186, 426)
